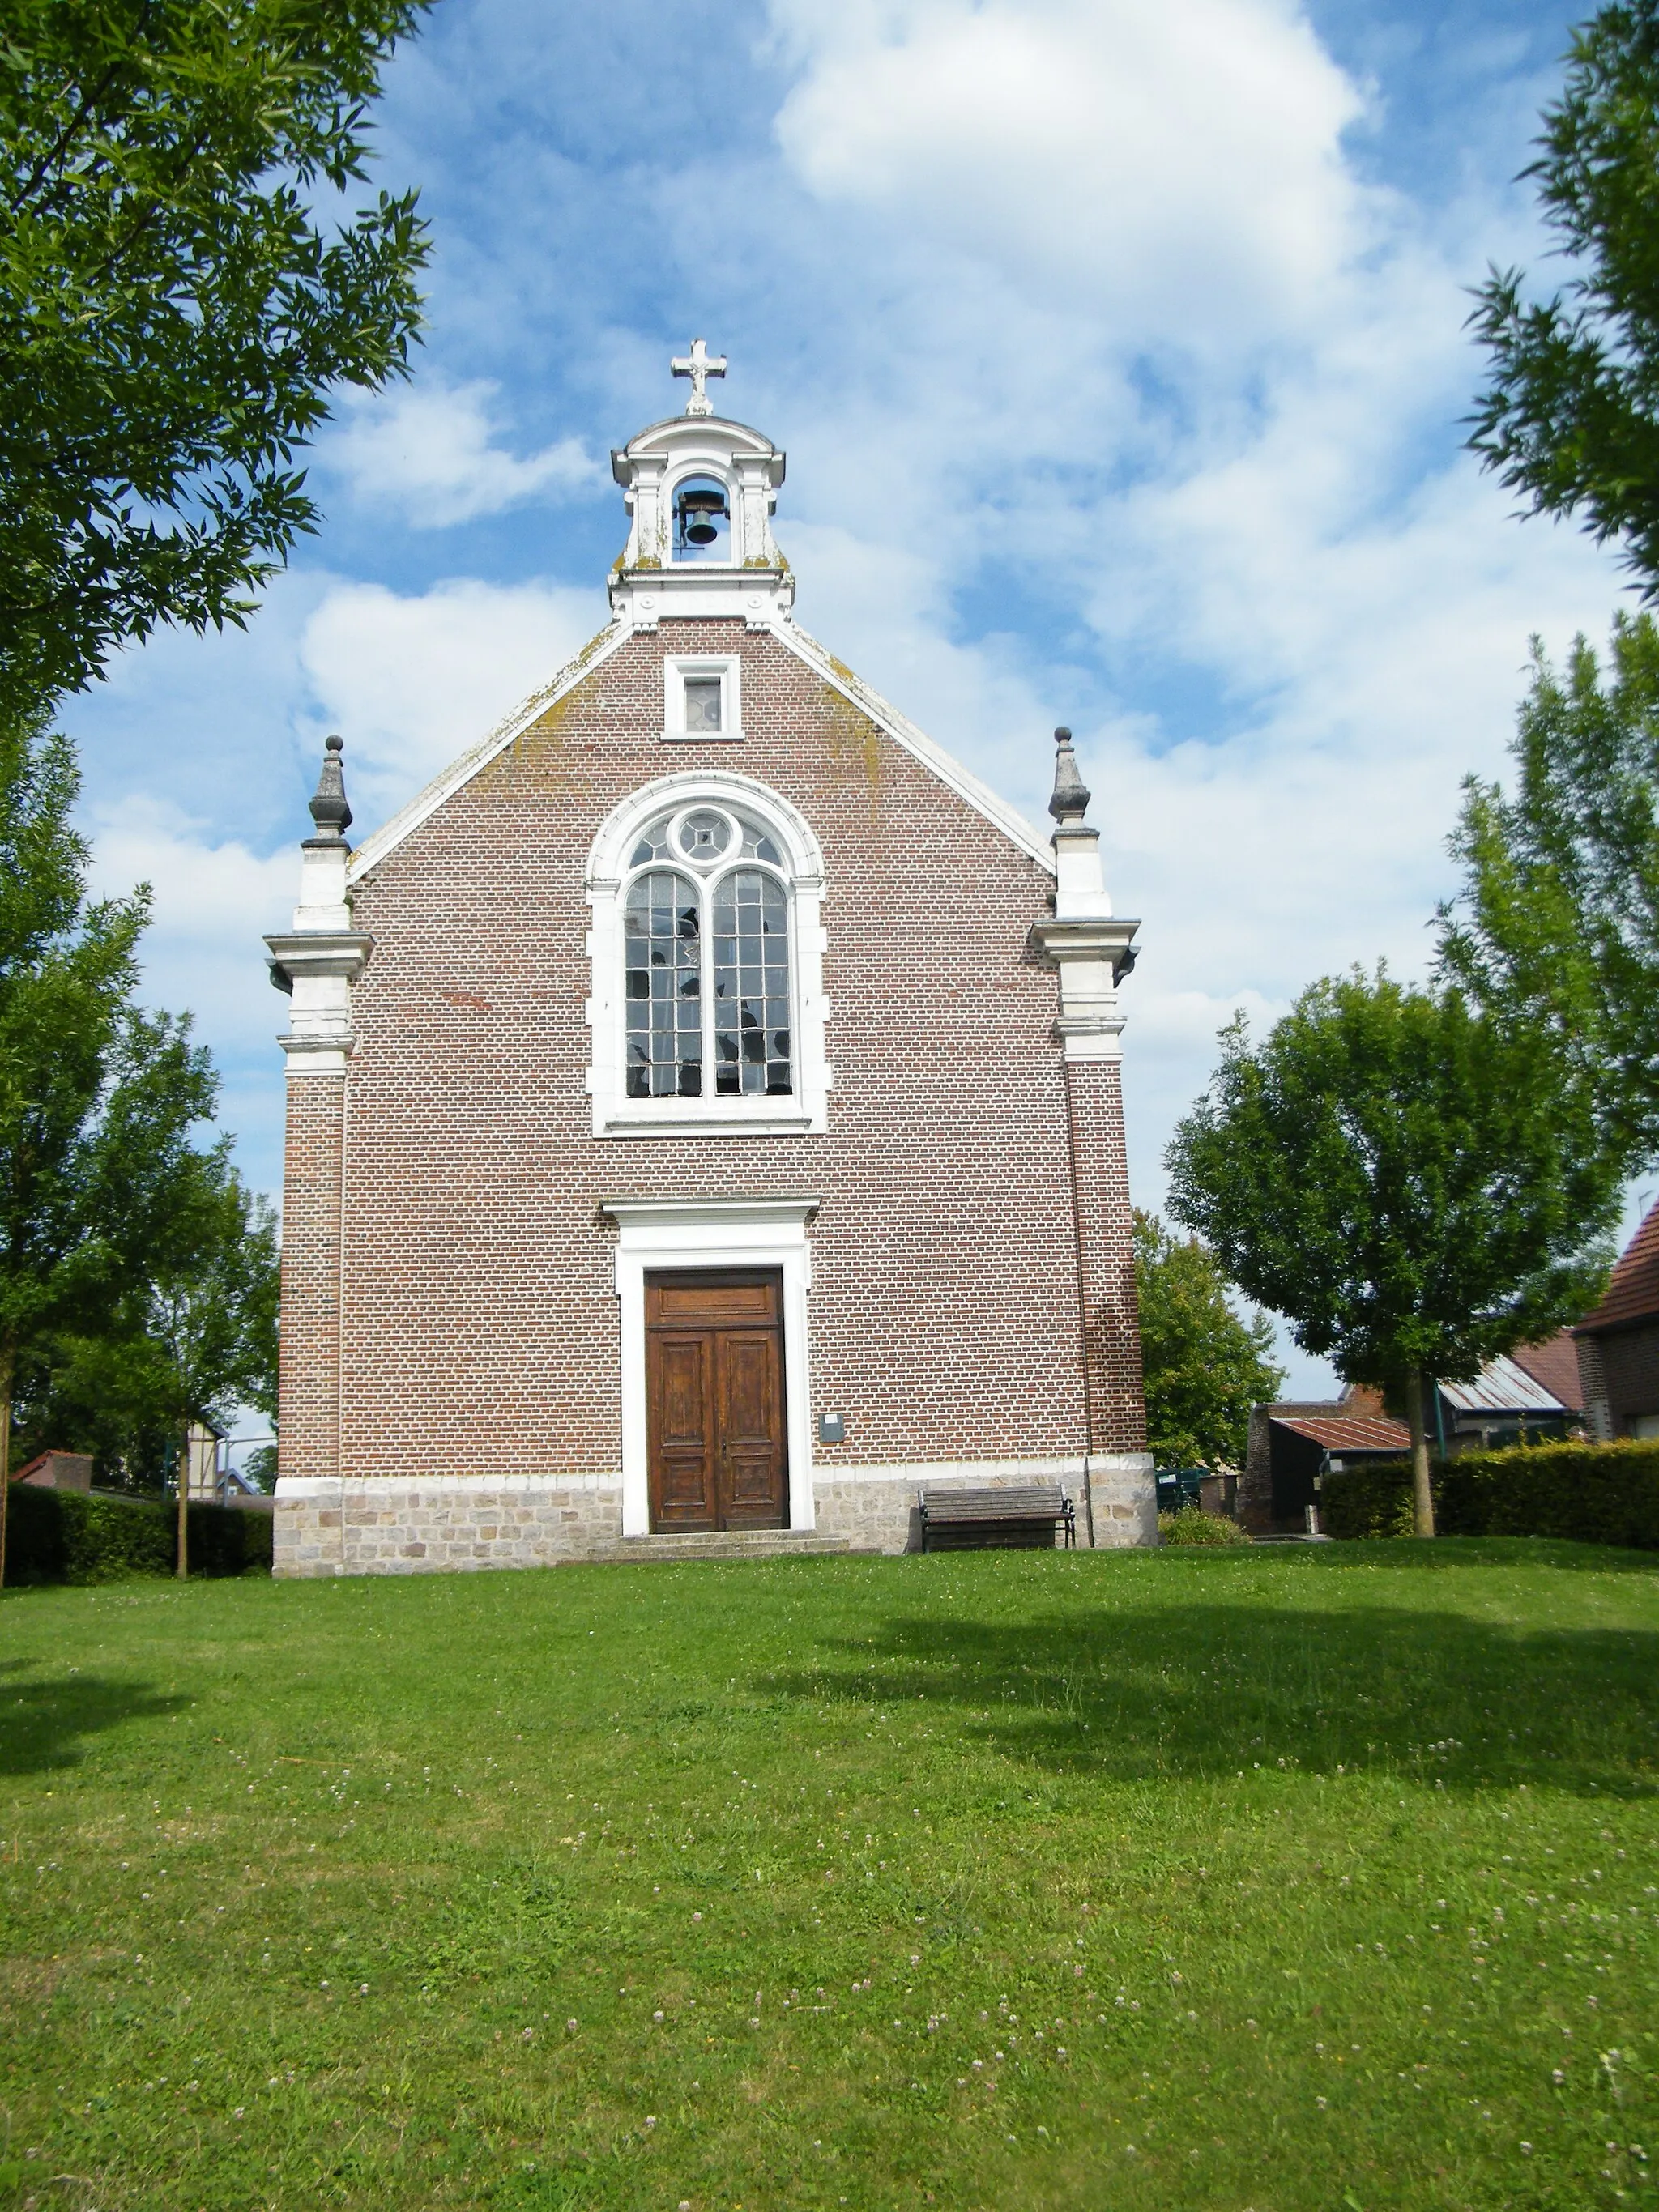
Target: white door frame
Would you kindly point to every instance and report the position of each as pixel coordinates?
(713, 1232)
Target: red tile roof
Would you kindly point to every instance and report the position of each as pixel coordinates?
(1554, 1364)
(1353, 1434)
(1633, 1293)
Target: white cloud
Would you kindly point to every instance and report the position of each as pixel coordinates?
(429, 448)
(1178, 168)
(411, 682)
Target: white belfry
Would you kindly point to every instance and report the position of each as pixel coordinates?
(699, 367)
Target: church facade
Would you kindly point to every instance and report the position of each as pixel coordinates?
(704, 1118)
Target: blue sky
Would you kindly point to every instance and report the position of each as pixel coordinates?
(1118, 352)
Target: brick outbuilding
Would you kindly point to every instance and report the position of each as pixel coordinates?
(704, 1115)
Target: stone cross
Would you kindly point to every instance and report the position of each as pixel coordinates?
(699, 367)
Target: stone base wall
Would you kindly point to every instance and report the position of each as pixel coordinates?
(876, 1509)
(451, 1523)
(460, 1523)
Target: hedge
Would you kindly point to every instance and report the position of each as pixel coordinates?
(1587, 1493)
(92, 1537)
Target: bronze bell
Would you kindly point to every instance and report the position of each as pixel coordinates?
(700, 511)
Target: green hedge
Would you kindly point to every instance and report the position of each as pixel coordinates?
(82, 1536)
(1587, 1493)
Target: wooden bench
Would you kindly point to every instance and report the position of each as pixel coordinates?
(1022, 1518)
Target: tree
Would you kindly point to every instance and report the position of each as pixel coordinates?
(191, 1333)
(101, 1191)
(1571, 416)
(1417, 1186)
(1557, 926)
(1204, 1366)
(170, 315)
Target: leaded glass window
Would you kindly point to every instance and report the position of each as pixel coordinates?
(705, 955)
(662, 952)
(751, 985)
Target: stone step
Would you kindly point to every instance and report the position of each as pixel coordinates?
(724, 1544)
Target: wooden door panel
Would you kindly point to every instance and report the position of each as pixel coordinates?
(751, 1402)
(681, 1422)
(715, 1401)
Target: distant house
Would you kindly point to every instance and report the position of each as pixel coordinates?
(1534, 1393)
(1618, 1343)
(1293, 1443)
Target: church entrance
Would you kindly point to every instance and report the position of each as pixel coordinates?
(713, 1376)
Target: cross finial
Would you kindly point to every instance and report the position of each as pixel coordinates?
(699, 367)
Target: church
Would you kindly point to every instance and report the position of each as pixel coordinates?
(705, 1129)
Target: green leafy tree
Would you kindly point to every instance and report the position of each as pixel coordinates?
(1571, 414)
(1415, 1185)
(1204, 1366)
(171, 315)
(190, 1334)
(101, 1194)
(1557, 926)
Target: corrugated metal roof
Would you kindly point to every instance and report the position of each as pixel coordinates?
(1633, 1290)
(1354, 1434)
(1501, 1387)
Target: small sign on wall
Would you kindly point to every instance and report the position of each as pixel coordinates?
(832, 1428)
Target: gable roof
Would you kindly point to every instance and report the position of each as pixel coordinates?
(1633, 1294)
(1555, 1365)
(599, 649)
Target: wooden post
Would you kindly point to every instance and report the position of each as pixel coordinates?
(6, 1457)
(183, 1569)
(1422, 1494)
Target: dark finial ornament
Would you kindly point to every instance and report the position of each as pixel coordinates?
(329, 810)
(1070, 802)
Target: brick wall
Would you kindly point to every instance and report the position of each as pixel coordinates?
(481, 1333)
(310, 1347)
(1629, 1367)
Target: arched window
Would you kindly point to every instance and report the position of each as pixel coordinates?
(708, 1005)
(706, 959)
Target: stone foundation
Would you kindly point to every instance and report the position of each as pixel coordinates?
(326, 1526)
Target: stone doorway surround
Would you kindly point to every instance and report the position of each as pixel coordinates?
(659, 1234)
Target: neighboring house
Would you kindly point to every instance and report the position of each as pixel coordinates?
(1291, 1445)
(56, 1470)
(1533, 1393)
(704, 1117)
(1619, 1344)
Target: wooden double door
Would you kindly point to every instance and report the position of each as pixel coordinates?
(715, 1399)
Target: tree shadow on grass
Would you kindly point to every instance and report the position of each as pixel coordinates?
(1213, 1688)
(45, 1724)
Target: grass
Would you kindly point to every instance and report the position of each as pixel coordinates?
(1283, 1879)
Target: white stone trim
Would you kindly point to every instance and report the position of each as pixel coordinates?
(713, 1232)
(616, 1115)
(964, 1471)
(728, 667)
(443, 1486)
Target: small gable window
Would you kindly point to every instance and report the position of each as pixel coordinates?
(707, 983)
(707, 1010)
(703, 696)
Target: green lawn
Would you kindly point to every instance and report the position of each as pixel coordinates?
(1283, 1879)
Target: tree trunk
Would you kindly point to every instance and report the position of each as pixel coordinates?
(1422, 1495)
(184, 1509)
(5, 1455)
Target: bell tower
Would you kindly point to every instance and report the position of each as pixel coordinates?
(700, 491)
